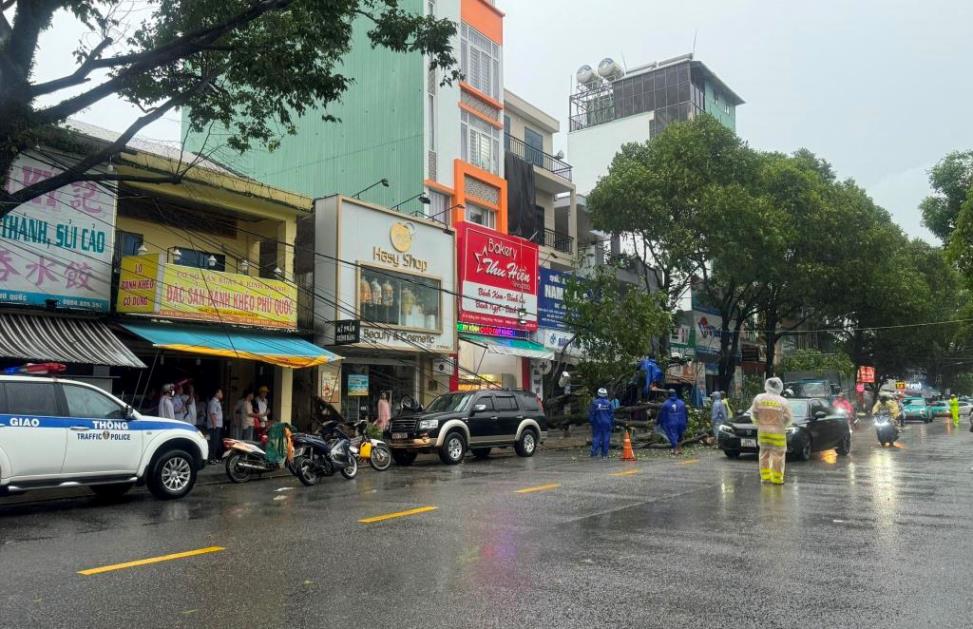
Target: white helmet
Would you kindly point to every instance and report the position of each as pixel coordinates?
(603, 392)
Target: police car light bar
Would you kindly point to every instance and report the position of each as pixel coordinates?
(35, 369)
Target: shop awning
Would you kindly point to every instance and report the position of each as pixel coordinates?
(64, 340)
(276, 349)
(510, 347)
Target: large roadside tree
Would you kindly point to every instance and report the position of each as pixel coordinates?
(655, 195)
(251, 66)
(613, 324)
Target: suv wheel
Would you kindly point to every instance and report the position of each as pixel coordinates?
(110, 492)
(173, 475)
(453, 448)
(527, 444)
(404, 457)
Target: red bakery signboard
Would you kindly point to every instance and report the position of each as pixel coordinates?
(498, 278)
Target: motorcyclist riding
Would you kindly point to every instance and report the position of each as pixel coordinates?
(841, 404)
(885, 402)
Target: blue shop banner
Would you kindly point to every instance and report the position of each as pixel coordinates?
(550, 299)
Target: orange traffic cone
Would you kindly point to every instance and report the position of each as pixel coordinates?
(627, 453)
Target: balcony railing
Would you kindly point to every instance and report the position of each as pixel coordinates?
(556, 240)
(536, 156)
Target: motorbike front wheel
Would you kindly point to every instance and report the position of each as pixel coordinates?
(351, 470)
(307, 472)
(236, 473)
(381, 458)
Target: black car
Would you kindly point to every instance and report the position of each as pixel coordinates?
(470, 420)
(814, 430)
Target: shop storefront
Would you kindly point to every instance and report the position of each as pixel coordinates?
(552, 331)
(55, 278)
(212, 330)
(498, 277)
(383, 297)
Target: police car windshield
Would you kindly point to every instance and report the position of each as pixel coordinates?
(451, 402)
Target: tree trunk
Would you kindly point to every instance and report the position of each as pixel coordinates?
(770, 339)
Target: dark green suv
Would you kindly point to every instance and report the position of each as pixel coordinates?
(477, 421)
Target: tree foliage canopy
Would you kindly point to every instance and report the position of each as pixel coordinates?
(252, 66)
(614, 325)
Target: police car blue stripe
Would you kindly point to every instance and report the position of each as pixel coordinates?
(37, 421)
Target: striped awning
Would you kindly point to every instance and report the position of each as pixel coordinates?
(64, 340)
(277, 349)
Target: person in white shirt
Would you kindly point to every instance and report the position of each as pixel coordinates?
(178, 403)
(166, 408)
(189, 402)
(214, 415)
(262, 404)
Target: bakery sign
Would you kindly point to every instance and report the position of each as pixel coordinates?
(498, 278)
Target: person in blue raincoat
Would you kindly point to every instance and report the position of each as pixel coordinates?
(673, 419)
(602, 418)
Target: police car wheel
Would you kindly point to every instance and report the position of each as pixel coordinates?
(173, 475)
(108, 492)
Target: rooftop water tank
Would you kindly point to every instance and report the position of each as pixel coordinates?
(610, 70)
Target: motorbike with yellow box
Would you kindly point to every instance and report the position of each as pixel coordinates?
(375, 451)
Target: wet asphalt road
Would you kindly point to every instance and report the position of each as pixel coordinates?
(878, 539)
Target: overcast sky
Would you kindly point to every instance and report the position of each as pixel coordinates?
(880, 88)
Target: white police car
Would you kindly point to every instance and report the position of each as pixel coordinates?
(62, 433)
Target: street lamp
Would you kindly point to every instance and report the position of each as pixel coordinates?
(142, 250)
(174, 254)
(383, 182)
(244, 266)
(425, 200)
(211, 261)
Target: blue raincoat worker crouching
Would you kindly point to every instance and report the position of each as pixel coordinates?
(602, 418)
(673, 419)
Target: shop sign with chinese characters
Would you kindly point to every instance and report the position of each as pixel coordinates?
(148, 286)
(59, 245)
(498, 278)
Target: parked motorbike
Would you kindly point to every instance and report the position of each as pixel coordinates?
(885, 428)
(243, 459)
(375, 451)
(322, 454)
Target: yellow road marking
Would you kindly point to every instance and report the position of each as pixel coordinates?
(151, 560)
(626, 473)
(397, 514)
(530, 490)
(689, 462)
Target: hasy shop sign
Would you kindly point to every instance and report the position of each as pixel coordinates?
(498, 278)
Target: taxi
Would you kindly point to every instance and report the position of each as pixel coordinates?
(63, 433)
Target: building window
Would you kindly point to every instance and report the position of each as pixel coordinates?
(268, 259)
(480, 143)
(481, 215)
(438, 208)
(399, 299)
(126, 244)
(480, 61)
(200, 259)
(534, 151)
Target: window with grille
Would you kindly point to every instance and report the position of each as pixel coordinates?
(480, 143)
(480, 61)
